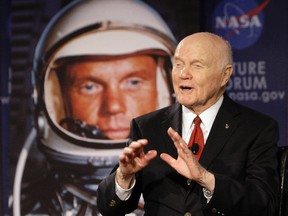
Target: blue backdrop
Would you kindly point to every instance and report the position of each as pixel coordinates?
(257, 31)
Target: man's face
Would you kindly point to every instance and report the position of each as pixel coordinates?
(198, 77)
(108, 94)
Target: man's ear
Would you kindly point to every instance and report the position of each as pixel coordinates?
(227, 72)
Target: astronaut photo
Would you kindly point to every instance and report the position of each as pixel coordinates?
(97, 65)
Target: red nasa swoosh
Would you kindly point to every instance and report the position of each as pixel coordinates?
(258, 9)
(251, 13)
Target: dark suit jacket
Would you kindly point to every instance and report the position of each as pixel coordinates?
(241, 152)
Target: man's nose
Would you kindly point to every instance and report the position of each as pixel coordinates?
(113, 101)
(184, 73)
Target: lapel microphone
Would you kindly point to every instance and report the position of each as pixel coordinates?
(195, 148)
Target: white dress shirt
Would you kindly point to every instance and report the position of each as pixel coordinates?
(207, 118)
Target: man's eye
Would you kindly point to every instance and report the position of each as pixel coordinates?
(197, 66)
(178, 65)
(135, 81)
(90, 88)
(132, 83)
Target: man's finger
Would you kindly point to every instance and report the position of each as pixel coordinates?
(177, 139)
(168, 159)
(151, 154)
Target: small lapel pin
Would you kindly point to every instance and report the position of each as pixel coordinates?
(226, 126)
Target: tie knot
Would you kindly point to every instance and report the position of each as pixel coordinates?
(197, 120)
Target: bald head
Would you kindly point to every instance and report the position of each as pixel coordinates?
(219, 48)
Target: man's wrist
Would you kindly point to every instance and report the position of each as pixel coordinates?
(208, 180)
(124, 180)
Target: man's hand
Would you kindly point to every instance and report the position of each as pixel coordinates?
(186, 164)
(132, 160)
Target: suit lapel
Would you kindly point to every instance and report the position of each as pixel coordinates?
(224, 125)
(172, 118)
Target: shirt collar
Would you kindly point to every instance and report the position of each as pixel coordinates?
(207, 117)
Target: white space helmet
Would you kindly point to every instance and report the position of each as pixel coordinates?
(93, 28)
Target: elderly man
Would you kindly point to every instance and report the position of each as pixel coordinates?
(228, 168)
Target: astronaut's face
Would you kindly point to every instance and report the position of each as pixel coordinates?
(109, 93)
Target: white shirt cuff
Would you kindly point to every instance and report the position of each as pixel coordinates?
(123, 194)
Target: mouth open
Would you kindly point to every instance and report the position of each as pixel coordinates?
(185, 88)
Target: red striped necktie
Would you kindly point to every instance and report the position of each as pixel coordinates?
(196, 141)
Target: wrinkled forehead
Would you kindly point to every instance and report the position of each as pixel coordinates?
(195, 51)
(201, 46)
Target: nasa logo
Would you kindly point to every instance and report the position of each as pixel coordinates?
(240, 22)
